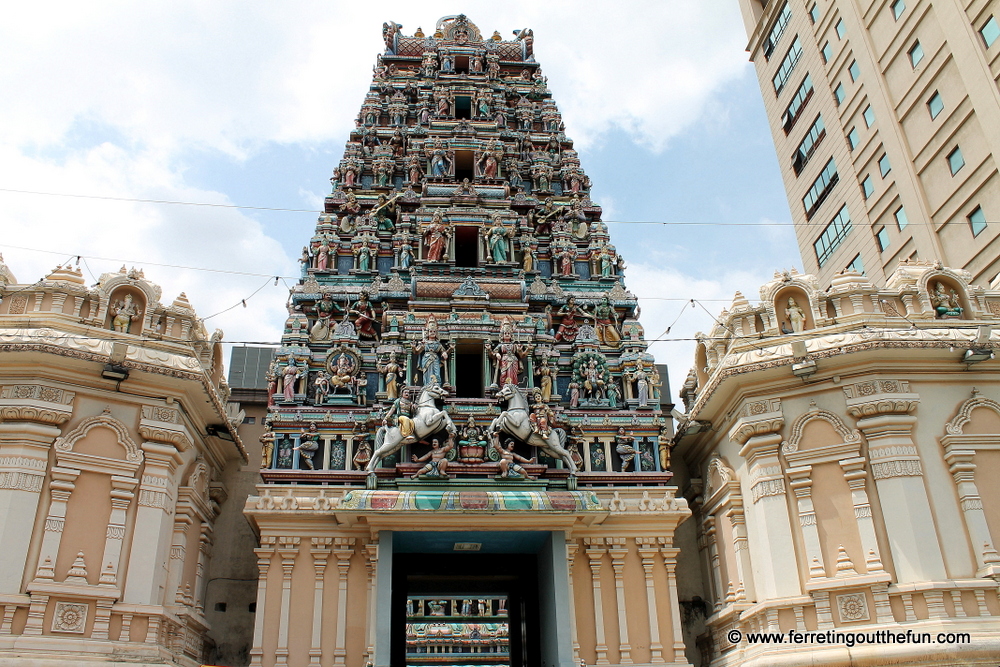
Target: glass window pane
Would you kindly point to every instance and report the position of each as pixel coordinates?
(852, 138)
(856, 265)
(841, 29)
(827, 52)
(897, 8)
(900, 216)
(883, 165)
(798, 102)
(883, 239)
(935, 105)
(787, 65)
(990, 31)
(814, 13)
(869, 116)
(838, 94)
(832, 236)
(853, 69)
(916, 54)
(777, 30)
(867, 187)
(955, 160)
(977, 220)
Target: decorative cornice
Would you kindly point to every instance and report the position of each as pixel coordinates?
(757, 418)
(37, 403)
(132, 452)
(897, 468)
(878, 397)
(848, 435)
(957, 425)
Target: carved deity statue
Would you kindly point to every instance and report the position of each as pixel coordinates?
(325, 308)
(390, 371)
(289, 376)
(568, 326)
(308, 446)
(625, 446)
(436, 238)
(266, 447)
(507, 355)
(606, 323)
(496, 240)
(365, 318)
(796, 316)
(124, 311)
(545, 374)
(945, 304)
(432, 353)
(322, 388)
(437, 460)
(509, 460)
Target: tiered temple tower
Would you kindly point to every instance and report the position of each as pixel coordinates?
(462, 370)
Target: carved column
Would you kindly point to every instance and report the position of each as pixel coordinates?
(204, 553)
(773, 550)
(165, 436)
(963, 471)
(618, 550)
(856, 476)
(264, 554)
(744, 567)
(571, 548)
(669, 555)
(343, 550)
(648, 549)
(29, 419)
(801, 483)
(288, 549)
(714, 566)
(371, 562)
(883, 408)
(595, 552)
(883, 411)
(121, 497)
(60, 488)
(321, 553)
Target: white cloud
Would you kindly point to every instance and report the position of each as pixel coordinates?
(654, 285)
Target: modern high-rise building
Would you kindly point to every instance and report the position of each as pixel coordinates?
(886, 120)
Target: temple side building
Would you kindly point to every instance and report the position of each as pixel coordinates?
(464, 459)
(884, 118)
(114, 437)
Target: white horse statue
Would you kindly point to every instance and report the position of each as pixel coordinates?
(427, 419)
(514, 421)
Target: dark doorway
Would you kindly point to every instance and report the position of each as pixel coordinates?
(462, 64)
(469, 369)
(464, 165)
(467, 247)
(463, 107)
(433, 592)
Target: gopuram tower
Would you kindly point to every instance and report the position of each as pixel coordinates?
(465, 455)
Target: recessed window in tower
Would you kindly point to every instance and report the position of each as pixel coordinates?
(467, 247)
(464, 164)
(463, 107)
(469, 369)
(462, 64)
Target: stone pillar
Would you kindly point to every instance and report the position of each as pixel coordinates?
(321, 553)
(371, 561)
(618, 550)
(343, 550)
(648, 549)
(204, 553)
(288, 549)
(741, 548)
(801, 483)
(264, 554)
(771, 545)
(855, 474)
(60, 488)
(963, 471)
(571, 548)
(898, 474)
(595, 552)
(669, 555)
(711, 542)
(121, 497)
(151, 528)
(26, 436)
(178, 553)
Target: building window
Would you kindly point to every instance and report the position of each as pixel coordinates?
(787, 65)
(882, 236)
(841, 29)
(852, 138)
(833, 235)
(249, 420)
(977, 220)
(898, 8)
(916, 54)
(814, 135)
(853, 69)
(820, 188)
(814, 13)
(856, 265)
(827, 52)
(990, 31)
(867, 186)
(901, 220)
(798, 103)
(883, 165)
(935, 105)
(777, 30)
(838, 93)
(955, 160)
(869, 116)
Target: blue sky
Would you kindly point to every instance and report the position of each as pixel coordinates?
(233, 104)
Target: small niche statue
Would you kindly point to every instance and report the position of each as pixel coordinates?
(307, 447)
(946, 305)
(625, 446)
(437, 460)
(125, 311)
(795, 315)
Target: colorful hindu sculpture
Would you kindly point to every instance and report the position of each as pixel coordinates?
(460, 273)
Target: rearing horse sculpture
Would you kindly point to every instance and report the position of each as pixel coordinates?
(427, 419)
(514, 421)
